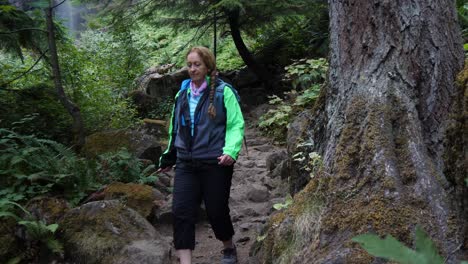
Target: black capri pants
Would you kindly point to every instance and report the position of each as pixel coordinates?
(194, 181)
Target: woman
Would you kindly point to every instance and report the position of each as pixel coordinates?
(205, 137)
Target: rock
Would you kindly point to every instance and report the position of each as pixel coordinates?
(245, 78)
(245, 227)
(137, 196)
(263, 148)
(106, 232)
(164, 179)
(248, 164)
(259, 111)
(136, 141)
(243, 240)
(163, 216)
(158, 194)
(161, 187)
(9, 243)
(159, 84)
(258, 193)
(297, 129)
(48, 209)
(282, 170)
(249, 211)
(152, 153)
(144, 251)
(275, 159)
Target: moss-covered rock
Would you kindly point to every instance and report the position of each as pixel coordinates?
(49, 209)
(108, 141)
(139, 197)
(99, 232)
(141, 142)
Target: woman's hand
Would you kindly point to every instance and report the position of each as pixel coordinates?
(225, 160)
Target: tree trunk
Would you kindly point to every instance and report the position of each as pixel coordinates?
(73, 109)
(383, 122)
(392, 71)
(259, 70)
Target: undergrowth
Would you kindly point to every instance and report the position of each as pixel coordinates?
(307, 78)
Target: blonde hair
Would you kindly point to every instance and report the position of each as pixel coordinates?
(209, 59)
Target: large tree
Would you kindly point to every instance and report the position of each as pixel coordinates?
(382, 128)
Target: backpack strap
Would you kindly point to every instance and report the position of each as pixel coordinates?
(220, 89)
(220, 92)
(185, 85)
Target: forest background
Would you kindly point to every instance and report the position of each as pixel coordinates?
(102, 47)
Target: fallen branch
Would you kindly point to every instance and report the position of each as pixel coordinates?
(155, 121)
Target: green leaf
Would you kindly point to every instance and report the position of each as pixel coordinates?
(14, 260)
(8, 214)
(465, 46)
(40, 4)
(426, 247)
(388, 248)
(55, 246)
(52, 227)
(261, 238)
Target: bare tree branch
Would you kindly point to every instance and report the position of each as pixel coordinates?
(22, 29)
(58, 4)
(24, 73)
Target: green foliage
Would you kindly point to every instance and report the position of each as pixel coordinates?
(162, 110)
(275, 122)
(30, 167)
(294, 37)
(35, 111)
(13, 37)
(286, 204)
(37, 230)
(98, 82)
(462, 10)
(312, 162)
(306, 75)
(123, 166)
(11, 68)
(389, 248)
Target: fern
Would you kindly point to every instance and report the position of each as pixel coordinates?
(391, 249)
(30, 166)
(37, 230)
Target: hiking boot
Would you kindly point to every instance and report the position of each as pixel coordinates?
(229, 256)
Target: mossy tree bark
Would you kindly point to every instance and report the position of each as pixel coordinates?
(392, 71)
(383, 126)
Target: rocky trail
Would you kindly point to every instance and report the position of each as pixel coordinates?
(256, 187)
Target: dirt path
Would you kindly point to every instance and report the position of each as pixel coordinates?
(253, 194)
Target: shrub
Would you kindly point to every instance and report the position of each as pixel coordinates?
(123, 166)
(306, 76)
(30, 167)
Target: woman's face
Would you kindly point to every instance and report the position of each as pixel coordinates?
(196, 67)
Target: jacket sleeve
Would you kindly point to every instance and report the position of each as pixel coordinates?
(169, 156)
(234, 124)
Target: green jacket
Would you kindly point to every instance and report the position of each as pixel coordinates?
(212, 137)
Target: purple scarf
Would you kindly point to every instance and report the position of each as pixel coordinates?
(196, 91)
